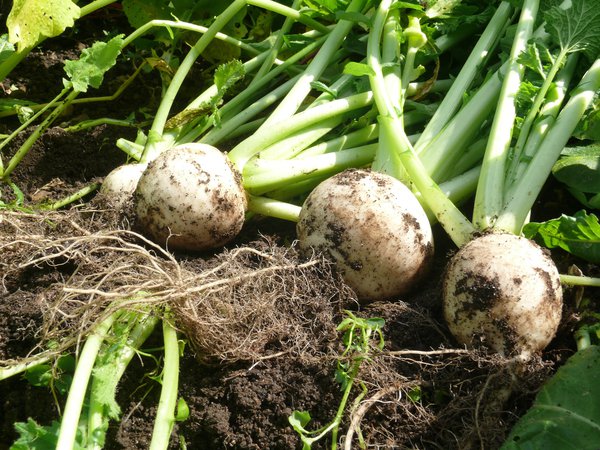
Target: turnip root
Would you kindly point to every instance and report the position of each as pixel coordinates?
(372, 227)
(119, 185)
(503, 292)
(191, 198)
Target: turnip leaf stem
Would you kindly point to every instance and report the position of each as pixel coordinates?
(162, 113)
(528, 144)
(273, 208)
(454, 222)
(490, 189)
(23, 126)
(81, 377)
(189, 27)
(578, 280)
(526, 188)
(119, 357)
(290, 104)
(33, 137)
(242, 152)
(165, 414)
(286, 11)
(471, 68)
(275, 48)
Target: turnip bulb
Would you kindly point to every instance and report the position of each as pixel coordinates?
(372, 227)
(503, 292)
(190, 198)
(119, 185)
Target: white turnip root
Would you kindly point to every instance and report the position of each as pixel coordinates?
(119, 185)
(503, 292)
(372, 227)
(190, 198)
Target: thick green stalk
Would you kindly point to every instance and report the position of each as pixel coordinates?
(81, 377)
(153, 145)
(471, 68)
(490, 189)
(291, 13)
(529, 140)
(261, 176)
(17, 368)
(242, 152)
(165, 414)
(454, 222)
(120, 359)
(527, 187)
(290, 104)
(273, 208)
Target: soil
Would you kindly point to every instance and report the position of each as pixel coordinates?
(422, 391)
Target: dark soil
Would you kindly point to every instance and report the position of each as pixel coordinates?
(426, 386)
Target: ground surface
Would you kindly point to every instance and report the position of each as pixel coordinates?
(425, 391)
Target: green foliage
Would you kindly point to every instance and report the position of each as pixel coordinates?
(578, 235)
(33, 436)
(90, 68)
(6, 48)
(579, 169)
(565, 414)
(577, 27)
(31, 21)
(58, 376)
(357, 335)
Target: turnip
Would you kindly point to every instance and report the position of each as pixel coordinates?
(191, 197)
(500, 290)
(119, 185)
(372, 227)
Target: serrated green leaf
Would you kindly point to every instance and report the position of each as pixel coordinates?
(90, 68)
(576, 27)
(31, 21)
(578, 234)
(565, 413)
(33, 436)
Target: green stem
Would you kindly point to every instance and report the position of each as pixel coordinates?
(17, 368)
(152, 148)
(273, 208)
(290, 104)
(490, 190)
(74, 197)
(261, 175)
(575, 280)
(527, 188)
(119, 360)
(291, 13)
(26, 146)
(241, 153)
(165, 414)
(470, 69)
(94, 6)
(81, 377)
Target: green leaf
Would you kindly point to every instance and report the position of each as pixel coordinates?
(33, 436)
(578, 235)
(580, 168)
(577, 27)
(298, 420)
(565, 413)
(90, 68)
(140, 12)
(182, 411)
(31, 21)
(358, 69)
(6, 48)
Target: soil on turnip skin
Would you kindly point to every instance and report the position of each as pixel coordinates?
(422, 390)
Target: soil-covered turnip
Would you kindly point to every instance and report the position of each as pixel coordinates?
(120, 184)
(191, 198)
(372, 227)
(503, 291)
